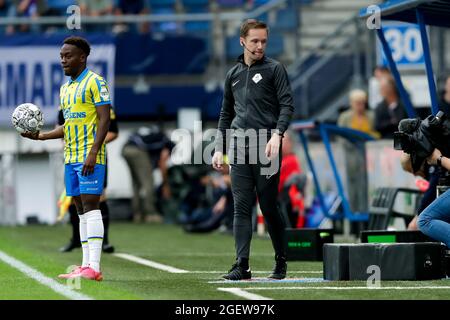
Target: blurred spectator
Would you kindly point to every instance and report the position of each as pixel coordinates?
(27, 9)
(217, 210)
(135, 7)
(390, 111)
(145, 151)
(375, 97)
(96, 8)
(357, 117)
(444, 103)
(6, 10)
(292, 184)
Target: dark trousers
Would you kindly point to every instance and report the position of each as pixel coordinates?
(245, 180)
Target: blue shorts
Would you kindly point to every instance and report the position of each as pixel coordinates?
(77, 184)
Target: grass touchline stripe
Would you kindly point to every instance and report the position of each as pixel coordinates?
(149, 263)
(42, 279)
(244, 294)
(349, 288)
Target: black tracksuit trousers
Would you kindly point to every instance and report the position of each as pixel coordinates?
(245, 180)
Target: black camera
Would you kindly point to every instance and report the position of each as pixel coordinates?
(419, 137)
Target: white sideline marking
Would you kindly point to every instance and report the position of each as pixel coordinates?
(348, 288)
(243, 294)
(264, 272)
(149, 263)
(42, 279)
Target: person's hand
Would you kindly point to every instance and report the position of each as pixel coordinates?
(31, 135)
(219, 207)
(166, 193)
(89, 164)
(432, 159)
(217, 161)
(273, 146)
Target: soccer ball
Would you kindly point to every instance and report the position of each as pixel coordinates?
(27, 118)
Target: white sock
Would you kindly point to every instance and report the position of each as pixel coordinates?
(84, 241)
(95, 232)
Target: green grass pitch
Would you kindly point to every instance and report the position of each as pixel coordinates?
(204, 256)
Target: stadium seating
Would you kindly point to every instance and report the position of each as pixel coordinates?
(231, 3)
(60, 6)
(166, 26)
(198, 27)
(286, 20)
(195, 3)
(274, 48)
(161, 3)
(382, 207)
(164, 102)
(160, 56)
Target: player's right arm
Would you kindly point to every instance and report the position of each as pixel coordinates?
(57, 133)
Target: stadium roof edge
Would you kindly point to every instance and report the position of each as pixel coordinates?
(435, 12)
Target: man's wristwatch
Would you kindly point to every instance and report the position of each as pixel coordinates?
(278, 132)
(439, 161)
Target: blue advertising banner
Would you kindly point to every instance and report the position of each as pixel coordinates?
(405, 43)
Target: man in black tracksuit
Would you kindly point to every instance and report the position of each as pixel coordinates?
(257, 107)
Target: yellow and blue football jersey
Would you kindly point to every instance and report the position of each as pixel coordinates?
(79, 99)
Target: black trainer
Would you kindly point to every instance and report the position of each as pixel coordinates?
(70, 246)
(238, 273)
(107, 248)
(279, 271)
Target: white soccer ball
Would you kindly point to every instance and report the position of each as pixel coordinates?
(27, 117)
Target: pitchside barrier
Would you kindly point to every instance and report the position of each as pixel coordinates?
(387, 236)
(307, 244)
(392, 261)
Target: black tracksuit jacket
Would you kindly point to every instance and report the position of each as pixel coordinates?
(256, 97)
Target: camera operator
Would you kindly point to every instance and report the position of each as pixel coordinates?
(429, 173)
(435, 219)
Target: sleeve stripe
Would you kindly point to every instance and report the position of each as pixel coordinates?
(102, 103)
(76, 143)
(84, 88)
(69, 144)
(75, 95)
(99, 87)
(85, 141)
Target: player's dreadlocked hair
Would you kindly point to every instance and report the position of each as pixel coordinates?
(79, 43)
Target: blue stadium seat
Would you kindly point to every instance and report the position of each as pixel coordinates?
(161, 3)
(195, 3)
(260, 2)
(286, 20)
(61, 5)
(197, 26)
(166, 26)
(231, 3)
(274, 48)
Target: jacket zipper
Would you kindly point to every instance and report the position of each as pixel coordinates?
(245, 98)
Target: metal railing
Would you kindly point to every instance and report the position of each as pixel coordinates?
(343, 43)
(182, 17)
(217, 35)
